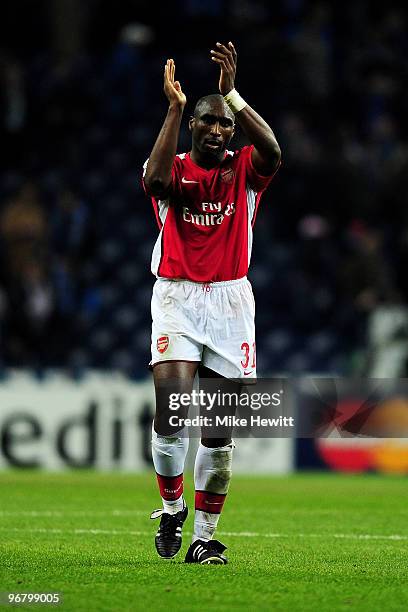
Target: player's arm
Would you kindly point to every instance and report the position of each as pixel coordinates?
(157, 178)
(266, 153)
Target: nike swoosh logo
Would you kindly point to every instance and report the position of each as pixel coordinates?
(248, 373)
(184, 180)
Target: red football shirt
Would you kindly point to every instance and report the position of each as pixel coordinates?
(206, 220)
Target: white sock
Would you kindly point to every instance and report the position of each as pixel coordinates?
(172, 507)
(212, 475)
(169, 454)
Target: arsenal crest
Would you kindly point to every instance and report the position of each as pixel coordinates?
(227, 176)
(162, 344)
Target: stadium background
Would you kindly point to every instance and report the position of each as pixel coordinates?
(81, 103)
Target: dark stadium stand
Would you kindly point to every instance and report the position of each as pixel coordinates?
(86, 125)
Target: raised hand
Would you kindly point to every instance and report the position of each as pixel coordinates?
(172, 88)
(226, 57)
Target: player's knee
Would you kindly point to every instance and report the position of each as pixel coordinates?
(167, 422)
(216, 442)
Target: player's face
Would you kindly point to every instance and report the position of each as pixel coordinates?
(212, 129)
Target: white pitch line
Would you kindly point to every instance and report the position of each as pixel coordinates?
(77, 531)
(60, 513)
(233, 534)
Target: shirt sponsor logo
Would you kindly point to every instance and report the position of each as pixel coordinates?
(162, 344)
(211, 214)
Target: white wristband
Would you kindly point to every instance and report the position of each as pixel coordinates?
(234, 101)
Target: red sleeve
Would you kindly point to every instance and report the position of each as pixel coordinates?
(255, 180)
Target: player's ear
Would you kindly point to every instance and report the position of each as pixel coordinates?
(191, 123)
(232, 134)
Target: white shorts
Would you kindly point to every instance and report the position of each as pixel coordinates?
(210, 323)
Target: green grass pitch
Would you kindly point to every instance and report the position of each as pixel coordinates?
(301, 542)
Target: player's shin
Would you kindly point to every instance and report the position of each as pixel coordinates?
(169, 454)
(212, 475)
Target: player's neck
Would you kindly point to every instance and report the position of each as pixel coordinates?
(206, 161)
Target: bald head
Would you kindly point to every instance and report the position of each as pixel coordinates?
(207, 103)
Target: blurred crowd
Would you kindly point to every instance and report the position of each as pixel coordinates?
(79, 115)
